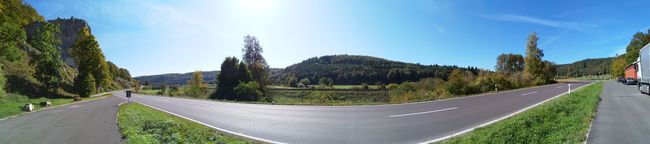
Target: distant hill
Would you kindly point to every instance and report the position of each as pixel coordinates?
(586, 67)
(343, 69)
(176, 78)
(357, 69)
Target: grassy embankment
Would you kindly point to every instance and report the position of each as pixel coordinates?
(11, 104)
(141, 124)
(565, 119)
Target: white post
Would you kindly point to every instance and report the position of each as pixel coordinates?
(569, 87)
(495, 88)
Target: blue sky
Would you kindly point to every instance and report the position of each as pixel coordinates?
(154, 37)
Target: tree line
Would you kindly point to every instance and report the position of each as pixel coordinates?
(354, 70)
(512, 71)
(638, 41)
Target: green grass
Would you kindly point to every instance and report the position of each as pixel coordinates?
(329, 97)
(11, 104)
(149, 91)
(565, 119)
(319, 86)
(141, 124)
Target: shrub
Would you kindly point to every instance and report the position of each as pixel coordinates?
(85, 84)
(392, 86)
(364, 86)
(248, 91)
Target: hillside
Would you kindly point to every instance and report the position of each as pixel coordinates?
(176, 78)
(586, 67)
(27, 44)
(356, 69)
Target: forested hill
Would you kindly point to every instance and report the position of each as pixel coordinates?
(175, 78)
(356, 69)
(586, 67)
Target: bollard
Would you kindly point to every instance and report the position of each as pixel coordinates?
(569, 88)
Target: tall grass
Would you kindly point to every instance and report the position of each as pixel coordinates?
(141, 124)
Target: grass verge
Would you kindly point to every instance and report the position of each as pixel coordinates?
(142, 124)
(565, 119)
(11, 104)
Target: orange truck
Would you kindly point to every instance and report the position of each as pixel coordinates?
(630, 74)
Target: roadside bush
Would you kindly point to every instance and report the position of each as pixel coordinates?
(3, 80)
(248, 91)
(321, 97)
(392, 86)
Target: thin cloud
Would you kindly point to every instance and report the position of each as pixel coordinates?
(540, 21)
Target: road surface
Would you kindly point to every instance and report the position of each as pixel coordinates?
(398, 123)
(79, 123)
(622, 116)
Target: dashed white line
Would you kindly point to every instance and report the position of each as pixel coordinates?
(418, 113)
(529, 93)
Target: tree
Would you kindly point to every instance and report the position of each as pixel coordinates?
(90, 59)
(304, 82)
(257, 64)
(549, 71)
(618, 65)
(196, 86)
(227, 79)
(3, 81)
(11, 38)
(244, 73)
(325, 81)
(248, 91)
(85, 84)
(510, 63)
(48, 65)
(534, 65)
(292, 82)
(458, 82)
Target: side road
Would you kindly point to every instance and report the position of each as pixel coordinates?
(622, 116)
(84, 122)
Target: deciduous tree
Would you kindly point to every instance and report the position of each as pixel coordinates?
(196, 86)
(510, 63)
(227, 79)
(48, 65)
(85, 84)
(534, 54)
(90, 59)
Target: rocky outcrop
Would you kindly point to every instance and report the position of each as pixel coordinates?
(69, 29)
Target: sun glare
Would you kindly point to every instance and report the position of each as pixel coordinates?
(255, 5)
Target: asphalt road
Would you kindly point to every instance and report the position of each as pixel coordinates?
(80, 123)
(623, 116)
(398, 123)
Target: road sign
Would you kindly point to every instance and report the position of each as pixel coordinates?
(128, 94)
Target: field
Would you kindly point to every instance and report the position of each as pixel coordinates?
(149, 91)
(565, 119)
(329, 97)
(141, 124)
(322, 87)
(11, 103)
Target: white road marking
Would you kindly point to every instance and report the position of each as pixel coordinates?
(75, 106)
(529, 93)
(417, 113)
(211, 126)
(499, 119)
